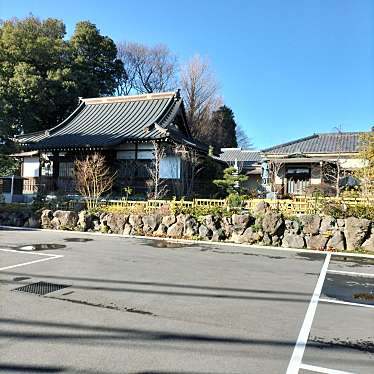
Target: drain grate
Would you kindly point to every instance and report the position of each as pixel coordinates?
(41, 288)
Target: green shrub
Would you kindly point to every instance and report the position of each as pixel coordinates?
(235, 200)
(256, 227)
(361, 211)
(341, 210)
(15, 207)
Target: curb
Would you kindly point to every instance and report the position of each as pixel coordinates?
(201, 242)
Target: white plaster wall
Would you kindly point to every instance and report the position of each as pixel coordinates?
(353, 163)
(30, 167)
(170, 167)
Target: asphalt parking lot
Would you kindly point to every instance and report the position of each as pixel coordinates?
(78, 303)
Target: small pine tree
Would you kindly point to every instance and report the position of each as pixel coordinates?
(231, 181)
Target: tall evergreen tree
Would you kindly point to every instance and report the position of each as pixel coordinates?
(42, 74)
(36, 84)
(222, 129)
(95, 63)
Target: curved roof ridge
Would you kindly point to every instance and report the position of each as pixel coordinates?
(122, 99)
(290, 143)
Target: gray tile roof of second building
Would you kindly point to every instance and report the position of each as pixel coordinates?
(241, 155)
(344, 142)
(108, 121)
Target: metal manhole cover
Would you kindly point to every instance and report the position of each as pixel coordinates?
(41, 288)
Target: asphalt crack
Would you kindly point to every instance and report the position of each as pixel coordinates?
(338, 343)
(104, 306)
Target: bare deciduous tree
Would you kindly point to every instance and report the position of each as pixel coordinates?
(93, 178)
(243, 139)
(148, 69)
(274, 167)
(193, 166)
(332, 170)
(366, 172)
(200, 93)
(156, 184)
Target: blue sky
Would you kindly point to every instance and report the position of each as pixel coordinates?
(287, 68)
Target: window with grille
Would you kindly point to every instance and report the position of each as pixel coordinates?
(66, 169)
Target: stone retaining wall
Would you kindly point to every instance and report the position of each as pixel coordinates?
(264, 227)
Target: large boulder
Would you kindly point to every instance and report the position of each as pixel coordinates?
(4, 218)
(218, 235)
(356, 231)
(337, 241)
(33, 222)
(116, 222)
(17, 219)
(210, 222)
(327, 224)
(127, 230)
(291, 240)
(261, 208)
(64, 219)
(182, 218)
(87, 221)
(46, 218)
(150, 223)
(190, 227)
(292, 226)
(311, 224)
(161, 230)
(241, 220)
(135, 220)
(317, 242)
(273, 223)
(227, 227)
(340, 222)
(239, 223)
(176, 230)
(251, 236)
(368, 244)
(266, 240)
(276, 240)
(168, 220)
(205, 233)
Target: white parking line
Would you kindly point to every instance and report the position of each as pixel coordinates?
(49, 256)
(318, 369)
(351, 273)
(346, 303)
(298, 352)
(27, 252)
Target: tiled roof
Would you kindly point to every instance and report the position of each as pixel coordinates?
(345, 142)
(108, 121)
(241, 155)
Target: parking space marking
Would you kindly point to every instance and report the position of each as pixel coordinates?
(298, 352)
(318, 369)
(346, 303)
(28, 252)
(351, 273)
(47, 257)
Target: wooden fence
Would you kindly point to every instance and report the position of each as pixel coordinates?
(299, 205)
(295, 206)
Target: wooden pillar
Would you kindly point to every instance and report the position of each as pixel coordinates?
(55, 169)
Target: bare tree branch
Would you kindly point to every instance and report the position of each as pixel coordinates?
(156, 184)
(274, 167)
(93, 178)
(148, 69)
(243, 139)
(200, 92)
